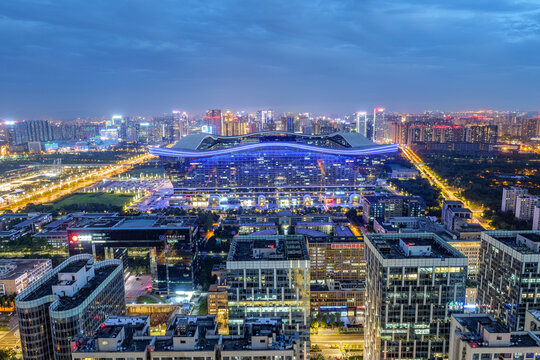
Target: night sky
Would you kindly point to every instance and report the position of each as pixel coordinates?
(69, 58)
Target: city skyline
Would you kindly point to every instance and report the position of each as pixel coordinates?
(66, 60)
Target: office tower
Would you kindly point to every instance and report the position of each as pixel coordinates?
(525, 206)
(214, 121)
(265, 117)
(509, 280)
(378, 125)
(480, 336)
(272, 165)
(171, 242)
(290, 123)
(509, 196)
(361, 123)
(117, 120)
(17, 274)
(72, 299)
(414, 282)
(269, 276)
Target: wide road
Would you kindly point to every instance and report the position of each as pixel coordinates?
(336, 339)
(56, 191)
(448, 192)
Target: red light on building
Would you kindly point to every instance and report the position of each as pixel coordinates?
(74, 238)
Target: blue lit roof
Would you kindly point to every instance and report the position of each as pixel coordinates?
(342, 143)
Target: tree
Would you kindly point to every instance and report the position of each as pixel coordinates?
(8, 354)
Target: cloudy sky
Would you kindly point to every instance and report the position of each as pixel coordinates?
(68, 58)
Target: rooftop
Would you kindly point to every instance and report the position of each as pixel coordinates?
(524, 242)
(269, 248)
(476, 330)
(63, 303)
(412, 245)
(134, 222)
(13, 268)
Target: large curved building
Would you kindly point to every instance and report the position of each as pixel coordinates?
(272, 168)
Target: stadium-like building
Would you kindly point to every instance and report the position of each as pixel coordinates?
(272, 168)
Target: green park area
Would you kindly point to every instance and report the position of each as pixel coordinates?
(88, 202)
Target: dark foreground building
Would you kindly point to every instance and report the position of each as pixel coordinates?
(170, 240)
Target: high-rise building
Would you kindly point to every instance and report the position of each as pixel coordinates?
(536, 218)
(269, 276)
(72, 299)
(30, 131)
(214, 121)
(338, 274)
(414, 282)
(383, 207)
(525, 206)
(378, 125)
(530, 128)
(509, 196)
(509, 280)
(361, 123)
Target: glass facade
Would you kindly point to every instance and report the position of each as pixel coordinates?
(47, 321)
(409, 302)
(278, 168)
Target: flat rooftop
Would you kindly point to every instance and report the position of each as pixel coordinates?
(474, 323)
(273, 248)
(390, 247)
(136, 222)
(514, 240)
(13, 268)
(69, 302)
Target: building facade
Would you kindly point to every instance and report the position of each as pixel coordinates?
(171, 241)
(414, 283)
(73, 298)
(272, 167)
(17, 274)
(509, 276)
(269, 276)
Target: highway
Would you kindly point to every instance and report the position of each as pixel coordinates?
(448, 192)
(60, 189)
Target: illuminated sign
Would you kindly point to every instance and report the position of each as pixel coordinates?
(76, 238)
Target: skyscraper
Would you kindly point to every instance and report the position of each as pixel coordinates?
(361, 123)
(72, 299)
(378, 125)
(214, 121)
(414, 282)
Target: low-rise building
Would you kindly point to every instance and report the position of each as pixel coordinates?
(480, 336)
(17, 274)
(187, 338)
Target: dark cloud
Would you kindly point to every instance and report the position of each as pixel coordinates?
(68, 58)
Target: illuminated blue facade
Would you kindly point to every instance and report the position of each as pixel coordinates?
(266, 168)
